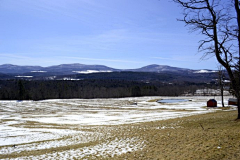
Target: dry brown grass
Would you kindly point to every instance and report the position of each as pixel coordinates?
(153, 100)
(209, 136)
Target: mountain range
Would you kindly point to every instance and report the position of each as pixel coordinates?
(82, 68)
(78, 71)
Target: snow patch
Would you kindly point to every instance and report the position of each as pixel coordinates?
(108, 149)
(38, 71)
(23, 76)
(92, 71)
(205, 71)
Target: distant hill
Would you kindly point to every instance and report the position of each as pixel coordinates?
(78, 68)
(9, 68)
(160, 68)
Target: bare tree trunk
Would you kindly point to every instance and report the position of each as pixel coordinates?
(221, 83)
(238, 101)
(222, 96)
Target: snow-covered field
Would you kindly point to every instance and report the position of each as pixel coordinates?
(76, 128)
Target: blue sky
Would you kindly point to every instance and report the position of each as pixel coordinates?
(123, 34)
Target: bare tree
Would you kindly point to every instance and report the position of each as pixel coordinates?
(218, 21)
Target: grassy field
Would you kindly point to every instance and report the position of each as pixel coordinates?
(209, 136)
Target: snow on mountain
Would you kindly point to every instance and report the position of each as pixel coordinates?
(204, 71)
(92, 71)
(24, 76)
(38, 71)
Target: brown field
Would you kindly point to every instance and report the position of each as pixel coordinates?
(209, 136)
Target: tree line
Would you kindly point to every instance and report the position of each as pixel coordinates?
(59, 89)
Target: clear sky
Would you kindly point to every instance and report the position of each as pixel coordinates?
(123, 34)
